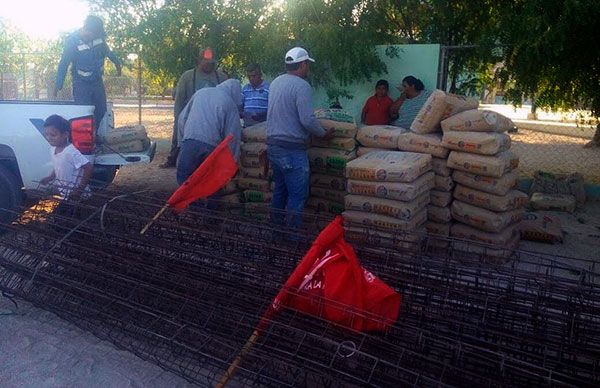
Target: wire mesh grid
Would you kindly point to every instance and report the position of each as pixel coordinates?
(189, 294)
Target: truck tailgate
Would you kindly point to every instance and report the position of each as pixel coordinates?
(123, 159)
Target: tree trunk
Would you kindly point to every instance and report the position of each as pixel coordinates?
(595, 142)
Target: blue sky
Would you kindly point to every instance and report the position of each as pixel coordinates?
(44, 19)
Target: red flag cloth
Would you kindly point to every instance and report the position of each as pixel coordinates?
(214, 173)
(330, 283)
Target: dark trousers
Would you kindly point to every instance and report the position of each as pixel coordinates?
(191, 156)
(174, 152)
(91, 93)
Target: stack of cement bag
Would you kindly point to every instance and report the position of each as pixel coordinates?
(486, 206)
(255, 185)
(425, 137)
(328, 159)
(388, 194)
(125, 140)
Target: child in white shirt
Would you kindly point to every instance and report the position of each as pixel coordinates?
(72, 171)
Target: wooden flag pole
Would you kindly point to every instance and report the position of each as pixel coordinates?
(238, 359)
(153, 220)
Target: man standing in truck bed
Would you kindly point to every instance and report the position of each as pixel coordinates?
(86, 50)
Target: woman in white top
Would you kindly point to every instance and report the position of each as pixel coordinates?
(72, 171)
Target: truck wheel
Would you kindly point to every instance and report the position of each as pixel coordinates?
(10, 195)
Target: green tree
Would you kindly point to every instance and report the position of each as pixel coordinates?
(339, 33)
(551, 53)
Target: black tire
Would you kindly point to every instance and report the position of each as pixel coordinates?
(102, 177)
(10, 195)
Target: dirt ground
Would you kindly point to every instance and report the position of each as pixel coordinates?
(536, 150)
(38, 349)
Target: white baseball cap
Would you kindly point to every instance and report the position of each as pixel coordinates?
(297, 55)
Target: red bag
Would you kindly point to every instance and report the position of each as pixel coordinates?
(331, 284)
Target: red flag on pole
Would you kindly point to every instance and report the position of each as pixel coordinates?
(214, 173)
(330, 283)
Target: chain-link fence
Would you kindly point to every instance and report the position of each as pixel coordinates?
(550, 146)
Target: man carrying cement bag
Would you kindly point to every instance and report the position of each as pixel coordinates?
(290, 123)
(209, 117)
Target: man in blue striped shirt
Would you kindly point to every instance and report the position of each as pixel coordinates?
(255, 97)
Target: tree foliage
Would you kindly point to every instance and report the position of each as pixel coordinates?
(551, 53)
(338, 33)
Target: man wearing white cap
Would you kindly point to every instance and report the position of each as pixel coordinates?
(290, 123)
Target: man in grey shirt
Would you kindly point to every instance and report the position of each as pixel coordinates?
(290, 123)
(204, 75)
(210, 115)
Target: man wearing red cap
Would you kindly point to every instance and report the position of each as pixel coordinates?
(204, 75)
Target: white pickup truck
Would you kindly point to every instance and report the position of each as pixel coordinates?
(25, 153)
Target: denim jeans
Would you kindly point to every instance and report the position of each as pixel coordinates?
(291, 174)
(191, 156)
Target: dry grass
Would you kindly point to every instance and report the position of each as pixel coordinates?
(555, 153)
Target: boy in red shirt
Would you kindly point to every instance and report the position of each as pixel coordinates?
(376, 109)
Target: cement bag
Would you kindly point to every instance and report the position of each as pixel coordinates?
(539, 227)
(254, 184)
(324, 205)
(392, 190)
(440, 198)
(484, 219)
(545, 182)
(438, 229)
(372, 220)
(380, 136)
(483, 143)
(255, 173)
(341, 121)
(375, 238)
(443, 183)
(255, 134)
(337, 143)
(440, 167)
(456, 104)
(252, 149)
(557, 202)
(429, 117)
(497, 186)
(338, 115)
(250, 162)
(125, 134)
(328, 161)
(332, 195)
(257, 196)
(439, 214)
(360, 151)
(328, 182)
(397, 209)
(126, 147)
(494, 166)
(389, 166)
(229, 188)
(514, 199)
(477, 121)
(493, 253)
(504, 237)
(231, 198)
(427, 144)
